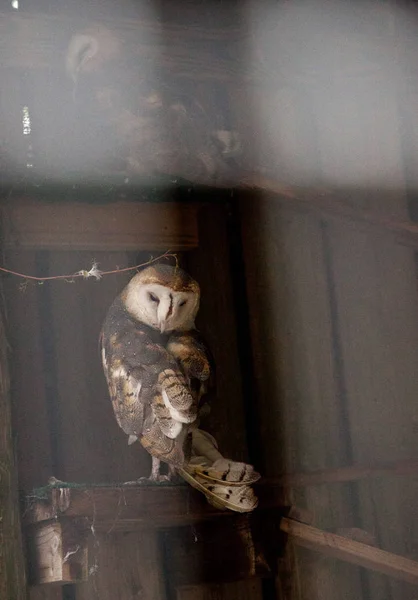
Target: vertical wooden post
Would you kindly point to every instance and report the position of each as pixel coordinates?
(12, 575)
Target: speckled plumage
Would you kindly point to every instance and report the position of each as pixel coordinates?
(152, 374)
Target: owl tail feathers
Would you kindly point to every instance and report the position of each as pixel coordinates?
(225, 483)
(238, 499)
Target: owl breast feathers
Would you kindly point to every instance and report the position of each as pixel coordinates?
(155, 363)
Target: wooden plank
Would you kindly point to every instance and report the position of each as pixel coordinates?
(218, 551)
(119, 226)
(124, 566)
(141, 505)
(90, 445)
(374, 282)
(296, 386)
(210, 265)
(339, 207)
(42, 592)
(29, 375)
(241, 590)
(111, 458)
(12, 570)
(349, 550)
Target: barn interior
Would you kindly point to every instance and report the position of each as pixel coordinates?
(270, 149)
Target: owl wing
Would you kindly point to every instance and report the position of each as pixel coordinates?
(125, 388)
(197, 363)
(150, 395)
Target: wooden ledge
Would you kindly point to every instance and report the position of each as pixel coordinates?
(124, 508)
(61, 518)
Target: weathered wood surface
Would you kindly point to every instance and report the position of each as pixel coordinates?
(89, 444)
(374, 284)
(12, 571)
(124, 565)
(112, 227)
(29, 373)
(121, 507)
(338, 207)
(298, 397)
(363, 555)
(241, 590)
(210, 265)
(57, 552)
(218, 551)
(42, 592)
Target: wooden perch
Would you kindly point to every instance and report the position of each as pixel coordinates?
(60, 519)
(57, 527)
(123, 508)
(336, 546)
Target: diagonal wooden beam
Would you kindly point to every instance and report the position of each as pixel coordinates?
(329, 205)
(336, 546)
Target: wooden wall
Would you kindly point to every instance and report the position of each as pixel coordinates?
(64, 421)
(333, 307)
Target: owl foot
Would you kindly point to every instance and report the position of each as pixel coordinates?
(159, 478)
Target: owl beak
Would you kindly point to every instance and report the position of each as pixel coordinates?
(162, 326)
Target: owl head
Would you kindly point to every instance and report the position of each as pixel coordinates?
(163, 297)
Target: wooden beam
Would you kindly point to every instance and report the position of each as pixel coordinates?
(123, 507)
(336, 546)
(113, 226)
(12, 573)
(329, 204)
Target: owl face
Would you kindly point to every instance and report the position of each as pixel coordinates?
(151, 300)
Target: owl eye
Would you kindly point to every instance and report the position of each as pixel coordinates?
(153, 297)
(182, 303)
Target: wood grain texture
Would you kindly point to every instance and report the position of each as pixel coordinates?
(212, 552)
(126, 566)
(12, 569)
(210, 266)
(30, 408)
(377, 311)
(42, 592)
(90, 445)
(376, 294)
(141, 506)
(349, 550)
(241, 590)
(57, 553)
(120, 226)
(297, 390)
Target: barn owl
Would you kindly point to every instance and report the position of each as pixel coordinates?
(149, 385)
(158, 369)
